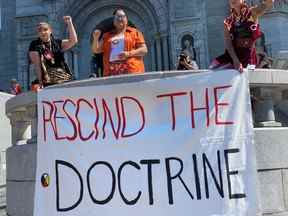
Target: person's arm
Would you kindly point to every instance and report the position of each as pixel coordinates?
(36, 61)
(97, 45)
(187, 65)
(140, 51)
(194, 65)
(69, 43)
(260, 9)
(229, 47)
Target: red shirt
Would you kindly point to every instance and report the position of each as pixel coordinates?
(15, 90)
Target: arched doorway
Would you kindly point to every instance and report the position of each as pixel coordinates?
(143, 17)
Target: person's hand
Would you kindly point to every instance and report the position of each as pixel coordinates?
(45, 80)
(96, 34)
(124, 55)
(67, 20)
(238, 66)
(40, 84)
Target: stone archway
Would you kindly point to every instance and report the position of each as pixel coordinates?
(86, 16)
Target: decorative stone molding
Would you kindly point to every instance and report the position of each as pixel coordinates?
(193, 27)
(21, 110)
(190, 9)
(88, 8)
(156, 9)
(20, 127)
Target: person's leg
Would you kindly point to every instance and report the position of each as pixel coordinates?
(93, 65)
(97, 65)
(100, 65)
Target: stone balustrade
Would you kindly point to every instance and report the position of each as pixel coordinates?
(269, 90)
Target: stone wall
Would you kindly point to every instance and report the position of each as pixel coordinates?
(5, 142)
(272, 162)
(188, 18)
(216, 11)
(8, 59)
(275, 26)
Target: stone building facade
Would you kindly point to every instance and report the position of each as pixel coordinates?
(163, 22)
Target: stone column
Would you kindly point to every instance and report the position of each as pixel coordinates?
(283, 105)
(159, 54)
(32, 115)
(164, 40)
(21, 157)
(153, 56)
(21, 127)
(263, 105)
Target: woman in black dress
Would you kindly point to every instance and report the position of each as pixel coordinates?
(47, 54)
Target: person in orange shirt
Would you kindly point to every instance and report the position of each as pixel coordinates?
(123, 48)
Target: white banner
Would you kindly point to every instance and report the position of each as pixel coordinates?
(173, 146)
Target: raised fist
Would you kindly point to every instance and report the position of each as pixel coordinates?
(96, 34)
(67, 19)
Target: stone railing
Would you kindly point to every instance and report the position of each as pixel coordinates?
(269, 93)
(269, 90)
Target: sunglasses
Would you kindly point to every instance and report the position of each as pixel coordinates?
(119, 17)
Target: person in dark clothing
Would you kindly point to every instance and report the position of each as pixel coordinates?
(47, 54)
(185, 63)
(97, 58)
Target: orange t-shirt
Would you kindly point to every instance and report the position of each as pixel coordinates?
(132, 39)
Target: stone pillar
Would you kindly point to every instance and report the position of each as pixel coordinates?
(32, 115)
(164, 40)
(283, 105)
(159, 54)
(263, 105)
(21, 156)
(153, 56)
(21, 127)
